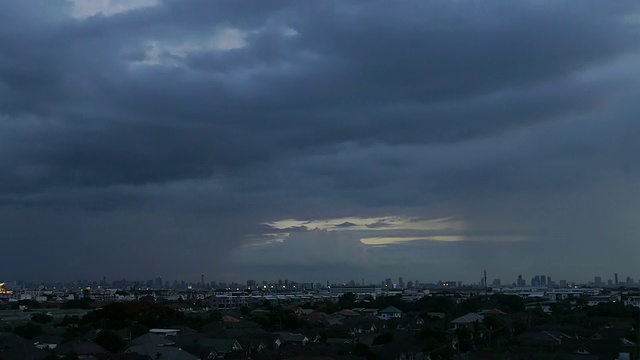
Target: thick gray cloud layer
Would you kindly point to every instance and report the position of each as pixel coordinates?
(157, 140)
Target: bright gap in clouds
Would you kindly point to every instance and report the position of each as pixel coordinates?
(374, 223)
(400, 240)
(390, 240)
(174, 53)
(86, 8)
(399, 229)
(387, 230)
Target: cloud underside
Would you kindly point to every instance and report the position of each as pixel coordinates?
(431, 138)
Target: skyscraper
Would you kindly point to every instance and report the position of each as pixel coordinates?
(484, 280)
(251, 284)
(616, 278)
(535, 281)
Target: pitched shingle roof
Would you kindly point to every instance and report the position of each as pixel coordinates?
(153, 339)
(468, 319)
(391, 310)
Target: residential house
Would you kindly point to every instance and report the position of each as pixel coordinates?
(360, 325)
(201, 352)
(252, 345)
(222, 346)
(542, 338)
(400, 348)
(348, 313)
(124, 356)
(603, 299)
(492, 312)
(364, 311)
(303, 312)
(314, 335)
(291, 338)
(632, 301)
(390, 312)
(270, 341)
(339, 341)
(153, 339)
(14, 347)
(83, 349)
(466, 320)
(47, 342)
(439, 315)
(165, 332)
(162, 352)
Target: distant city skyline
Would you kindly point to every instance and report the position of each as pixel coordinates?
(388, 281)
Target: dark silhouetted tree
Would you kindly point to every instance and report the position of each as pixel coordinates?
(28, 330)
(110, 340)
(41, 318)
(383, 339)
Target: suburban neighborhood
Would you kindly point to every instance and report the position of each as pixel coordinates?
(362, 323)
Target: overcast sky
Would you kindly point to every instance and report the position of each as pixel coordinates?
(324, 140)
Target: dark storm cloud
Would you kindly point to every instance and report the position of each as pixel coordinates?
(241, 113)
(346, 224)
(378, 224)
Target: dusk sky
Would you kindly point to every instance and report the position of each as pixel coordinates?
(319, 140)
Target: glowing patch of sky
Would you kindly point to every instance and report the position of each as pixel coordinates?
(268, 239)
(159, 53)
(376, 223)
(86, 8)
(289, 32)
(382, 240)
(395, 240)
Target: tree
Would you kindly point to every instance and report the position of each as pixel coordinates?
(470, 305)
(245, 311)
(347, 300)
(330, 307)
(307, 305)
(215, 315)
(75, 332)
(581, 303)
(68, 320)
(30, 304)
(465, 339)
(28, 330)
(510, 303)
(84, 303)
(41, 318)
(72, 356)
(195, 322)
(118, 315)
(383, 339)
(519, 326)
(110, 340)
(291, 321)
(442, 304)
(437, 340)
(357, 349)
(497, 326)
